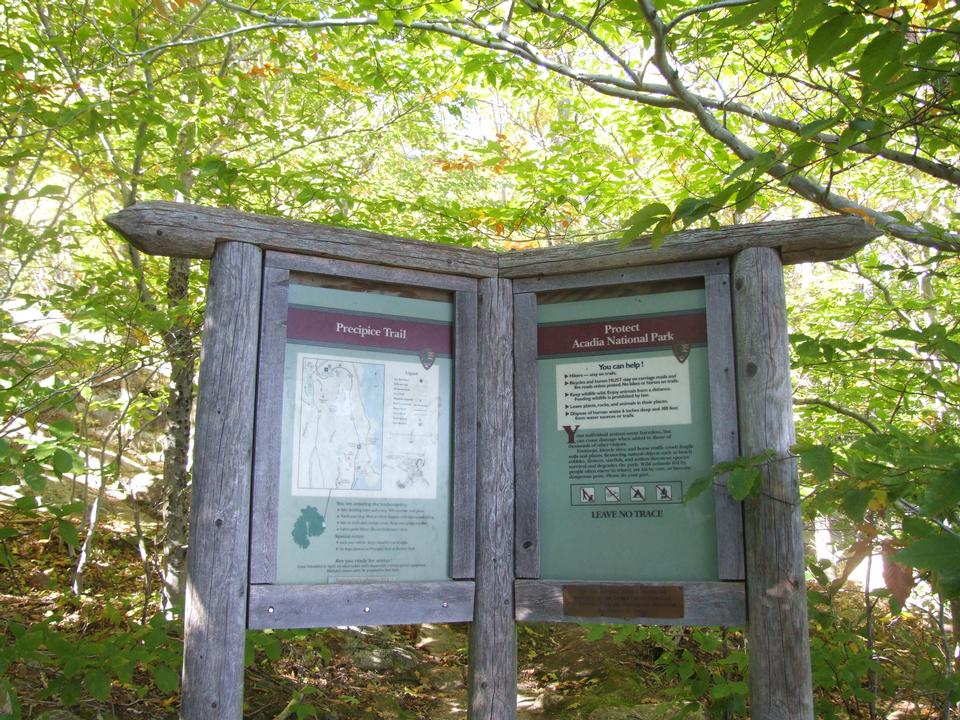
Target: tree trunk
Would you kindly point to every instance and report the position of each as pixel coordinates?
(176, 480)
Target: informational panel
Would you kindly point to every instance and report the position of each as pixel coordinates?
(365, 465)
(624, 429)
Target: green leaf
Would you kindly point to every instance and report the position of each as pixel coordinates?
(50, 191)
(45, 450)
(648, 214)
(415, 13)
(853, 132)
(73, 508)
(726, 689)
(697, 488)
(949, 348)
(97, 683)
(62, 462)
(816, 460)
(878, 52)
(75, 664)
(904, 333)
(70, 693)
(58, 644)
(743, 482)
(645, 218)
(33, 476)
(926, 50)
(940, 553)
(817, 126)
(64, 429)
(8, 693)
(802, 153)
(692, 209)
(825, 43)
(305, 710)
(760, 163)
(386, 19)
(166, 680)
(943, 493)
(212, 166)
(271, 646)
(11, 58)
(68, 533)
(624, 633)
(855, 502)
(596, 632)
(747, 194)
(660, 232)
(123, 667)
(26, 503)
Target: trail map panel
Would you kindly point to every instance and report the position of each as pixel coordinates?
(624, 429)
(365, 447)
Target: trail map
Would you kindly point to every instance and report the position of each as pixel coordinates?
(365, 429)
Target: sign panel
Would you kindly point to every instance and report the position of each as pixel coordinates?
(365, 471)
(624, 428)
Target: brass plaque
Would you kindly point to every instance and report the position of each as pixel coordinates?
(623, 601)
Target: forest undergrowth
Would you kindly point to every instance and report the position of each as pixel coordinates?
(110, 654)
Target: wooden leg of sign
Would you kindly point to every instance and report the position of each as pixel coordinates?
(493, 640)
(778, 642)
(216, 604)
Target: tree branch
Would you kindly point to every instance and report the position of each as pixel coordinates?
(589, 32)
(859, 272)
(705, 9)
(800, 184)
(913, 510)
(509, 18)
(836, 407)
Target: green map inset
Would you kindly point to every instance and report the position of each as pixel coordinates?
(309, 524)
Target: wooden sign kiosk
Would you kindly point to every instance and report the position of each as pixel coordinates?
(497, 368)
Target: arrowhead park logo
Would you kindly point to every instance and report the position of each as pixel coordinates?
(681, 351)
(427, 358)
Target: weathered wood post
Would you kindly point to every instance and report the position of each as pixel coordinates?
(216, 604)
(493, 644)
(781, 686)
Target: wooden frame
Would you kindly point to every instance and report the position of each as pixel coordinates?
(274, 606)
(709, 603)
(217, 584)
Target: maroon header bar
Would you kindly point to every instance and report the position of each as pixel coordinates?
(380, 333)
(641, 333)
